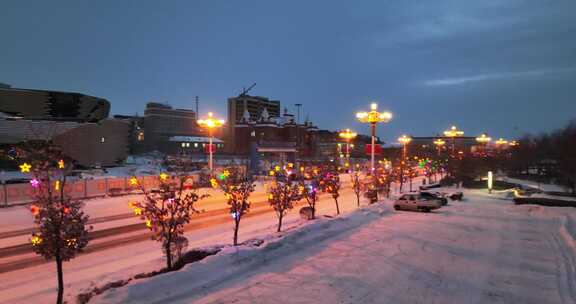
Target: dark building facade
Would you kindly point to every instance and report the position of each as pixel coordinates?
(52, 105)
(254, 106)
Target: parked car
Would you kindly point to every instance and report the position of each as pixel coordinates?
(435, 195)
(416, 202)
(456, 196)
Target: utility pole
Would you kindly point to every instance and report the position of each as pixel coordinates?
(298, 146)
(197, 113)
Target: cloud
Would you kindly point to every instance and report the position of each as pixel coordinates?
(494, 76)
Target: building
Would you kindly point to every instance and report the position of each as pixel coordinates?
(168, 130)
(77, 123)
(103, 143)
(52, 105)
(254, 105)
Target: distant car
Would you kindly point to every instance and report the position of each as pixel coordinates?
(456, 196)
(417, 202)
(435, 195)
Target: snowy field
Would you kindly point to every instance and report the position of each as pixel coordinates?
(481, 250)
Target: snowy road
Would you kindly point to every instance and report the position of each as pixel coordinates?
(482, 250)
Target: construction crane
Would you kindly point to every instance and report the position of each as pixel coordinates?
(245, 91)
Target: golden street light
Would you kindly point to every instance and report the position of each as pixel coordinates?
(348, 136)
(483, 138)
(210, 123)
(500, 142)
(453, 132)
(404, 140)
(514, 143)
(373, 117)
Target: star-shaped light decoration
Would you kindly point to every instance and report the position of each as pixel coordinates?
(25, 168)
(137, 211)
(163, 176)
(149, 223)
(35, 183)
(133, 181)
(35, 240)
(61, 164)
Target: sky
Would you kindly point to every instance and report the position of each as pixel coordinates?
(505, 67)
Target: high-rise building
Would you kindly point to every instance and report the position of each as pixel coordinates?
(52, 105)
(254, 106)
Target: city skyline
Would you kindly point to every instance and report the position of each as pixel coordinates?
(495, 67)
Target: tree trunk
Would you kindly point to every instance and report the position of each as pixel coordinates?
(236, 227)
(358, 199)
(168, 254)
(337, 207)
(280, 222)
(60, 279)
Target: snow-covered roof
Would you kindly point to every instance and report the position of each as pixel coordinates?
(200, 139)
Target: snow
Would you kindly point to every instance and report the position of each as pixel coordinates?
(481, 250)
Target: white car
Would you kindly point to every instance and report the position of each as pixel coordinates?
(417, 202)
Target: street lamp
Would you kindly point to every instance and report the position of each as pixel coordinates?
(373, 117)
(404, 140)
(500, 142)
(348, 136)
(453, 132)
(439, 144)
(210, 123)
(483, 139)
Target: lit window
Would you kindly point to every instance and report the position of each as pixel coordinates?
(187, 145)
(203, 145)
(195, 145)
(140, 136)
(102, 139)
(183, 145)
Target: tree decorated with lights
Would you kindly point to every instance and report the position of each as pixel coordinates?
(237, 187)
(282, 194)
(60, 224)
(167, 210)
(357, 186)
(332, 182)
(309, 184)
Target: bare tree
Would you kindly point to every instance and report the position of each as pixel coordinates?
(357, 186)
(332, 182)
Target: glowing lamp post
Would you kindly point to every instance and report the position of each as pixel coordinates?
(210, 123)
(501, 142)
(453, 132)
(490, 181)
(439, 143)
(373, 117)
(348, 136)
(483, 139)
(404, 140)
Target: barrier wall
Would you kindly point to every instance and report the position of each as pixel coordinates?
(13, 194)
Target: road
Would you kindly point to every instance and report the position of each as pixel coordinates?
(112, 237)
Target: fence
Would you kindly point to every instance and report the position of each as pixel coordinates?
(15, 194)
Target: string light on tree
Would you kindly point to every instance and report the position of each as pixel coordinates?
(133, 181)
(61, 164)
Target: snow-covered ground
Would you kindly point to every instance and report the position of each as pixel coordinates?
(481, 250)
